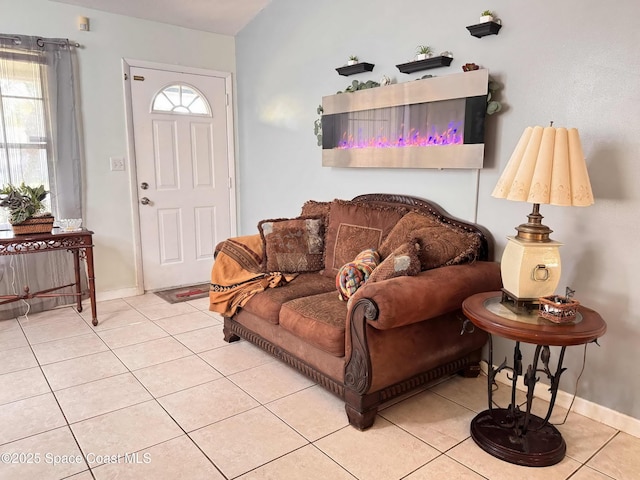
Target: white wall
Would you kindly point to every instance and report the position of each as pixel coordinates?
(569, 62)
(112, 37)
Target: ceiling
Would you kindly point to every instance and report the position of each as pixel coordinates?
(226, 17)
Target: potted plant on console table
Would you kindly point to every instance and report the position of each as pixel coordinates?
(26, 209)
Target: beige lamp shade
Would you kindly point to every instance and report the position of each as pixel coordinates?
(547, 167)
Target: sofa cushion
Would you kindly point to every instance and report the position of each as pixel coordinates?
(318, 319)
(446, 245)
(313, 208)
(402, 231)
(267, 304)
(353, 274)
(293, 245)
(404, 260)
(354, 227)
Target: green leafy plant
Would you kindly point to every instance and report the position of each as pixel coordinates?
(487, 13)
(423, 49)
(356, 85)
(317, 125)
(353, 58)
(23, 201)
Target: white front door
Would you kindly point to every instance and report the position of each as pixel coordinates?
(182, 170)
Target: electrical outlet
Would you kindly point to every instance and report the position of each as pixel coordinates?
(117, 164)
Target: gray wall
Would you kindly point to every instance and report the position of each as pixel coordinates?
(570, 62)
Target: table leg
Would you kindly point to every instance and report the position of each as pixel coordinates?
(76, 269)
(92, 283)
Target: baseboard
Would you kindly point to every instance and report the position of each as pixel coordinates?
(591, 410)
(115, 294)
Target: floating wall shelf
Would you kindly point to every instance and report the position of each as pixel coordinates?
(355, 68)
(433, 62)
(484, 29)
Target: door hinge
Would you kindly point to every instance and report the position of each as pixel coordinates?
(126, 77)
(139, 78)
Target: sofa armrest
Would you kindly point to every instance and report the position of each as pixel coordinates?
(410, 299)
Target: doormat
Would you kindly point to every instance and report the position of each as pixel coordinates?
(183, 294)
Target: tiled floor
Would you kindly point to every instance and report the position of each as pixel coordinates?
(153, 392)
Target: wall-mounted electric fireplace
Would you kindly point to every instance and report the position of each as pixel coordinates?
(431, 123)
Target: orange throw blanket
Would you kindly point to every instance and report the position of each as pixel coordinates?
(237, 274)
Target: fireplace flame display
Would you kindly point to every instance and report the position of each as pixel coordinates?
(452, 135)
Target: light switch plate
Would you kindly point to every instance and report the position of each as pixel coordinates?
(117, 164)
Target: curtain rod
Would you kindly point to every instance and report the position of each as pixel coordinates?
(41, 41)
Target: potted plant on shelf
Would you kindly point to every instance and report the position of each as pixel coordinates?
(26, 208)
(353, 59)
(423, 52)
(486, 16)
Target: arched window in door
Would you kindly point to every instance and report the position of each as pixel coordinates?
(180, 99)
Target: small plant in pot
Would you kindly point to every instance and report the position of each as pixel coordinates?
(353, 59)
(486, 16)
(26, 208)
(423, 52)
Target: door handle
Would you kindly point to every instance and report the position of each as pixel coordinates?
(144, 185)
(145, 201)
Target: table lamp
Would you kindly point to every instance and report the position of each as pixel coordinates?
(547, 166)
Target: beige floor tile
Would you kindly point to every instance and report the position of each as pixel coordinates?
(124, 431)
(164, 310)
(115, 319)
(28, 417)
(66, 348)
(12, 337)
(472, 393)
(106, 306)
(143, 300)
(586, 473)
(48, 316)
(143, 331)
(102, 396)
(175, 459)
(53, 454)
(9, 324)
(186, 322)
(438, 421)
(204, 404)
(86, 475)
(313, 412)
(149, 353)
(199, 341)
(620, 458)
(22, 384)
(444, 467)
(236, 357)
(176, 375)
(63, 327)
(77, 371)
(16, 359)
(306, 463)
(270, 381)
(583, 436)
(200, 303)
(382, 452)
(473, 457)
(246, 441)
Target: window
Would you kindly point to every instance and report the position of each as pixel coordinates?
(24, 137)
(182, 99)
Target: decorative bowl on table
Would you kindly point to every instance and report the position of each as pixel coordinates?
(70, 224)
(558, 309)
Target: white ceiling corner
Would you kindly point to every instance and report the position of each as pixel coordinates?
(225, 17)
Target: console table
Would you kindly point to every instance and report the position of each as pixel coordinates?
(79, 243)
(512, 434)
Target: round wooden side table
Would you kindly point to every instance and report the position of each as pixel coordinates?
(512, 434)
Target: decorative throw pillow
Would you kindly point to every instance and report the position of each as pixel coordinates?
(313, 208)
(353, 274)
(403, 261)
(402, 231)
(354, 227)
(446, 245)
(292, 245)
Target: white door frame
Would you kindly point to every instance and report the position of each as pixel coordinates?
(133, 181)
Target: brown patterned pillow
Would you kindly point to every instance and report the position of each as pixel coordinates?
(404, 260)
(403, 231)
(292, 245)
(354, 227)
(313, 208)
(446, 245)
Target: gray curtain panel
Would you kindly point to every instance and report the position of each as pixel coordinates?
(52, 63)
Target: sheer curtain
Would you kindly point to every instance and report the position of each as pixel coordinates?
(39, 144)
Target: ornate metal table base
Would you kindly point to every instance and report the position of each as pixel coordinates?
(495, 432)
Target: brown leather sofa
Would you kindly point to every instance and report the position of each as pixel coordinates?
(393, 335)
